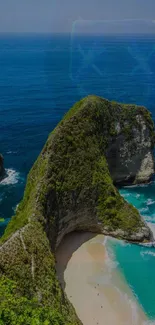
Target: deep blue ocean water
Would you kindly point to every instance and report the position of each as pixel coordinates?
(41, 77)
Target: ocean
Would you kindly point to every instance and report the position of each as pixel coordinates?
(41, 77)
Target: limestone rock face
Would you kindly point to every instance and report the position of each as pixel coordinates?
(130, 158)
(2, 170)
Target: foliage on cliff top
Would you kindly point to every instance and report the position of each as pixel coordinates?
(72, 153)
(29, 289)
(19, 310)
(70, 175)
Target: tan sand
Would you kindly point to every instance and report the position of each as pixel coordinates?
(97, 291)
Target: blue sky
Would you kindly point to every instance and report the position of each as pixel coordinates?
(60, 15)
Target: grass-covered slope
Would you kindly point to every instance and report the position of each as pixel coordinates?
(69, 188)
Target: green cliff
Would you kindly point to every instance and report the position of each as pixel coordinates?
(71, 187)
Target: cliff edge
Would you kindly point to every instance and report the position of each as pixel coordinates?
(71, 187)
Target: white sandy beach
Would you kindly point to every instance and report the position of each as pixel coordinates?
(93, 285)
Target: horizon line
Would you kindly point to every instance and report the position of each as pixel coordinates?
(78, 33)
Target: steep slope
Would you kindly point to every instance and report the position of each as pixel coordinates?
(70, 188)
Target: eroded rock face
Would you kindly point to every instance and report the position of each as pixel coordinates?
(2, 170)
(130, 157)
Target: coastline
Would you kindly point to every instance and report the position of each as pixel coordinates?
(93, 283)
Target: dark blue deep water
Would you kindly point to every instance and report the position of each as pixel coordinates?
(41, 77)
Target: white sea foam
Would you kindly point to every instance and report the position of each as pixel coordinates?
(105, 240)
(148, 252)
(130, 300)
(124, 243)
(12, 177)
(11, 152)
(132, 305)
(137, 185)
(130, 186)
(149, 218)
(144, 209)
(110, 260)
(109, 263)
(150, 202)
(152, 227)
(15, 208)
(125, 194)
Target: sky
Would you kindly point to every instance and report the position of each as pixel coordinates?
(82, 15)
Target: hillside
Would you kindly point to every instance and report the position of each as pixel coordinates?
(97, 145)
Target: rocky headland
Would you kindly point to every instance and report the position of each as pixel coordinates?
(71, 187)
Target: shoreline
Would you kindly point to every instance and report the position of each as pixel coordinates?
(93, 283)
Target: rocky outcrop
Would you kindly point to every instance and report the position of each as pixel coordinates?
(70, 187)
(129, 153)
(2, 170)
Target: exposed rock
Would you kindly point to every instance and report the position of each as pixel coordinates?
(130, 154)
(70, 188)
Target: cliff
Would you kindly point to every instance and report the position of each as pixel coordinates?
(2, 170)
(129, 153)
(70, 187)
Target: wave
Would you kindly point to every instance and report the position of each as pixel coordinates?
(132, 304)
(105, 240)
(134, 308)
(148, 252)
(136, 185)
(124, 243)
(125, 194)
(131, 300)
(12, 177)
(149, 219)
(108, 278)
(150, 202)
(110, 260)
(11, 152)
(15, 208)
(144, 209)
(152, 227)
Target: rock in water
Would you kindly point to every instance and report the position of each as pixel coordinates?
(2, 170)
(70, 187)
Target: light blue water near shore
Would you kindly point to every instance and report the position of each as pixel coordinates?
(137, 263)
(41, 77)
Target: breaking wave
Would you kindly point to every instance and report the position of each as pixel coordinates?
(12, 177)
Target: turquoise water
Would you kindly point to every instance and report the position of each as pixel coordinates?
(137, 263)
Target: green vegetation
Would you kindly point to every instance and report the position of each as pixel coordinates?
(18, 310)
(113, 209)
(78, 142)
(69, 181)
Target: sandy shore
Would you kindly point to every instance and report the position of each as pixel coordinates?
(93, 284)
